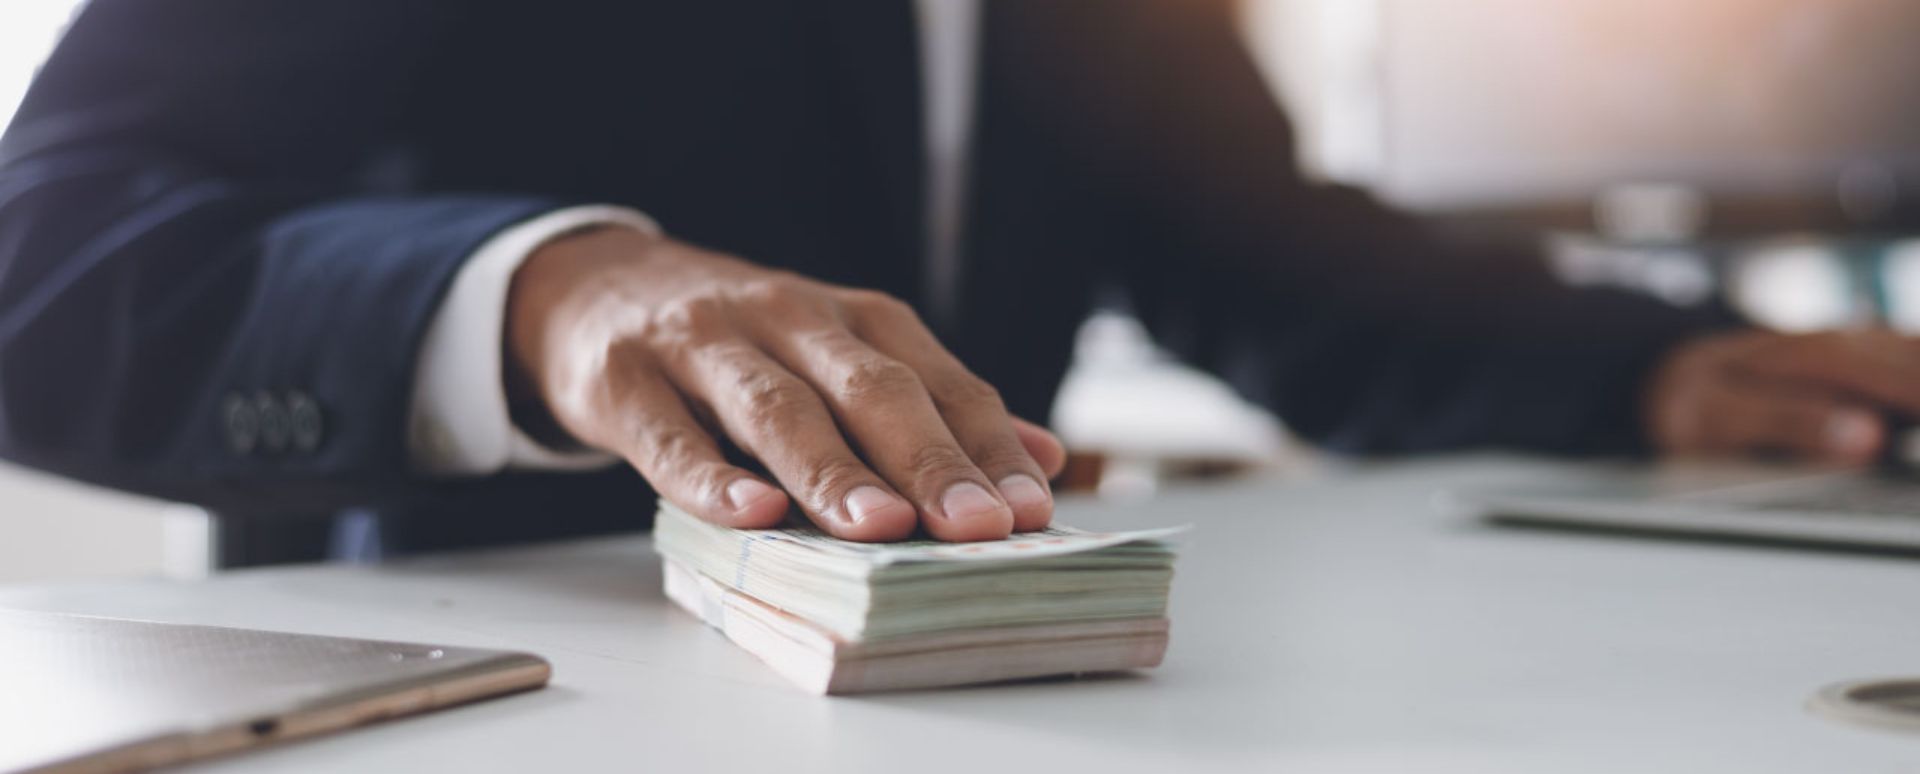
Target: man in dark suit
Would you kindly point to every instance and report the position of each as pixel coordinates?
(438, 260)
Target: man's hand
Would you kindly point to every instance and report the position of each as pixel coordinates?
(651, 349)
(1826, 396)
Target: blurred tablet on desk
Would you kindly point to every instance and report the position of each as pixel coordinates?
(1875, 508)
(83, 694)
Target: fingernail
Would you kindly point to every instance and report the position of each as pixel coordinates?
(744, 493)
(1852, 432)
(868, 500)
(1021, 491)
(967, 500)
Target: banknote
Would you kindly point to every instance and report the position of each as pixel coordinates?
(819, 662)
(1051, 541)
(869, 591)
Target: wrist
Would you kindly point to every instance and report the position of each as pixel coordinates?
(547, 300)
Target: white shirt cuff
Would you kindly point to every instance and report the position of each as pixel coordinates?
(459, 423)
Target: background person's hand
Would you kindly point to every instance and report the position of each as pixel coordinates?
(653, 349)
(1825, 396)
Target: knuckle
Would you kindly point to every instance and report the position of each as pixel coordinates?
(938, 462)
(596, 381)
(766, 292)
(966, 391)
(685, 320)
(828, 478)
(671, 451)
(876, 379)
(784, 302)
(618, 355)
(770, 401)
(831, 342)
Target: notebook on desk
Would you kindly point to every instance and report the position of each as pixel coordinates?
(1876, 508)
(83, 694)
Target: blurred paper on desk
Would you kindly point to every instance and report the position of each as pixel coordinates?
(840, 617)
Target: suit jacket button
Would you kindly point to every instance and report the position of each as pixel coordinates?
(241, 423)
(276, 428)
(309, 423)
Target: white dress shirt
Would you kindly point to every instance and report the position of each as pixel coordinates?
(459, 423)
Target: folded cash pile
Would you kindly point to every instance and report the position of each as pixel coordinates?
(841, 617)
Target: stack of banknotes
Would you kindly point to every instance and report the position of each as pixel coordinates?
(841, 617)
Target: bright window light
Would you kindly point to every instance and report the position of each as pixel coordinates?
(28, 30)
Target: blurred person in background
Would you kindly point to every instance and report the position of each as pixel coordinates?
(446, 266)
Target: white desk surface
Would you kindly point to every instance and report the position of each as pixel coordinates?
(1338, 625)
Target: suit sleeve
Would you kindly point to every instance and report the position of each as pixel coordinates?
(1355, 324)
(214, 274)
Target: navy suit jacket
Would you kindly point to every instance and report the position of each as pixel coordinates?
(214, 206)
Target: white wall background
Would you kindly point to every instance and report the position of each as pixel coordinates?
(1446, 104)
